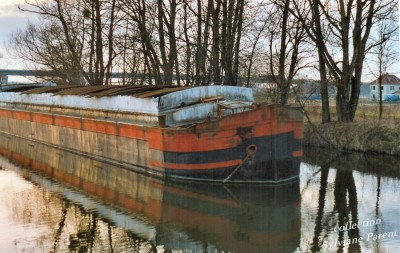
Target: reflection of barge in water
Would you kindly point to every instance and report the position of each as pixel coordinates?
(213, 133)
(176, 215)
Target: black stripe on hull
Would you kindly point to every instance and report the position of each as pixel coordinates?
(277, 171)
(280, 146)
(273, 161)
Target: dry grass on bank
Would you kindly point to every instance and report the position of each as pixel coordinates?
(366, 134)
(357, 136)
(366, 111)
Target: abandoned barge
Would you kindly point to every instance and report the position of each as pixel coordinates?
(209, 133)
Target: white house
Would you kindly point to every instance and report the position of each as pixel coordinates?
(390, 85)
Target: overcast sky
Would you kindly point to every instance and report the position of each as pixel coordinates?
(11, 19)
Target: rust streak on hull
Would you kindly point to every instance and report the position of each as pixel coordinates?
(207, 150)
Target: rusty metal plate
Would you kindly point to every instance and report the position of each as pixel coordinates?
(83, 90)
(49, 89)
(103, 90)
(109, 91)
(121, 90)
(160, 92)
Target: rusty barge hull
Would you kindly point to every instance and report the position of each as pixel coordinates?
(248, 143)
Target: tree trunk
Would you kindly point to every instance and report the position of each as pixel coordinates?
(232, 20)
(342, 100)
(99, 78)
(380, 83)
(110, 43)
(326, 116)
(239, 28)
(198, 45)
(215, 50)
(166, 64)
(188, 50)
(282, 84)
(353, 29)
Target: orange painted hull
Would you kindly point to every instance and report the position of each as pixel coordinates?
(216, 151)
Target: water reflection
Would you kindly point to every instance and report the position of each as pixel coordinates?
(55, 201)
(100, 207)
(343, 178)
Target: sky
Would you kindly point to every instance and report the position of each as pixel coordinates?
(11, 19)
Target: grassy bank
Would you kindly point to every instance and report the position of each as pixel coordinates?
(366, 134)
(366, 111)
(357, 136)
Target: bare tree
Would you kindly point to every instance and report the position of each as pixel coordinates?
(215, 64)
(253, 44)
(190, 42)
(326, 116)
(286, 47)
(156, 24)
(44, 44)
(130, 61)
(63, 13)
(344, 43)
(231, 33)
(74, 18)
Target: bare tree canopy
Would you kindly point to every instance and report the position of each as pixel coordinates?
(341, 34)
(288, 48)
(198, 42)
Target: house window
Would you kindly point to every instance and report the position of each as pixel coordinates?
(373, 87)
(391, 87)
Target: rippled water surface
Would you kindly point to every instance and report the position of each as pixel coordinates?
(55, 201)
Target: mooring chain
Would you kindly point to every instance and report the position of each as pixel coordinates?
(250, 152)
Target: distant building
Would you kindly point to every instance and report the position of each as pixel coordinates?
(390, 86)
(3, 79)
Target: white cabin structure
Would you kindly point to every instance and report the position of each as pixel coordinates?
(390, 87)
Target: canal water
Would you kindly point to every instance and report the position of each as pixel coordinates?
(55, 201)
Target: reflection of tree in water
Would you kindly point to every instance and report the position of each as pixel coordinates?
(321, 205)
(345, 195)
(69, 226)
(94, 234)
(347, 210)
(377, 213)
(61, 224)
(82, 239)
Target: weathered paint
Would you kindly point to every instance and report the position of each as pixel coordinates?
(207, 155)
(191, 96)
(208, 150)
(191, 113)
(116, 103)
(205, 112)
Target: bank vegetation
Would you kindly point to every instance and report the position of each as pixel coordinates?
(367, 133)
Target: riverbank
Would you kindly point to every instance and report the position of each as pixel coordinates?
(362, 136)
